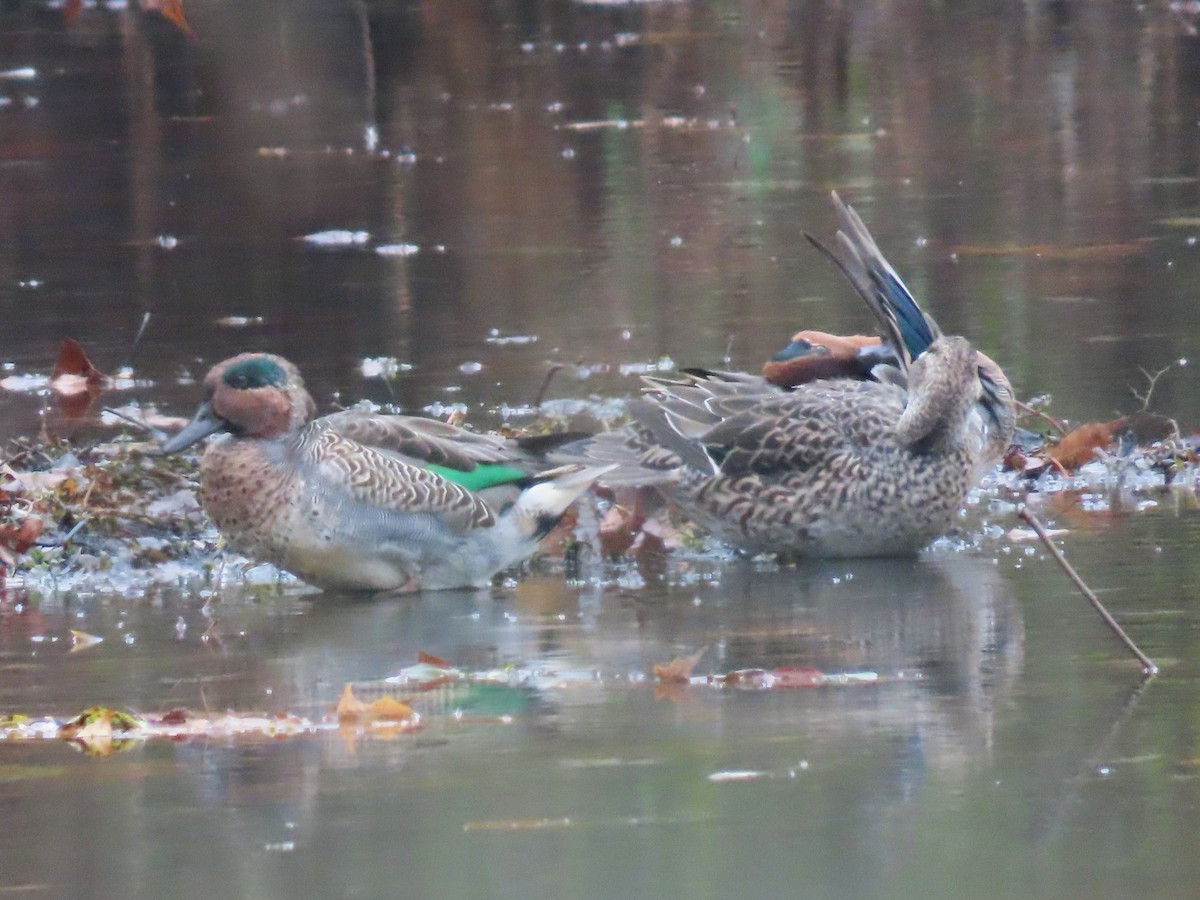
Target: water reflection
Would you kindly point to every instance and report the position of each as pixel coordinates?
(591, 742)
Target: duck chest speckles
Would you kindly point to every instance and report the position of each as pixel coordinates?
(250, 497)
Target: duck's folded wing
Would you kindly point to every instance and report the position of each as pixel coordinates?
(380, 479)
(788, 434)
(421, 439)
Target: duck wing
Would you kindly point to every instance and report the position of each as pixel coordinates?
(902, 323)
(346, 468)
(422, 440)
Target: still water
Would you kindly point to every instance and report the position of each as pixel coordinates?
(480, 191)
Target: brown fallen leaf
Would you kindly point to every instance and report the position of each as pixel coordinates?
(98, 730)
(75, 382)
(73, 361)
(81, 640)
(15, 540)
(680, 668)
(349, 708)
(386, 709)
(430, 660)
(172, 11)
(618, 530)
(1080, 445)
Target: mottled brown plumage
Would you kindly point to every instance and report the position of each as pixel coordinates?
(836, 466)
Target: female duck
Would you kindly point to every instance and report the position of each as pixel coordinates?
(360, 501)
(872, 465)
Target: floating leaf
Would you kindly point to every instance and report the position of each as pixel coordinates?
(172, 11)
(98, 729)
(81, 640)
(1079, 446)
(15, 539)
(680, 668)
(73, 361)
(385, 709)
(388, 709)
(349, 708)
(618, 530)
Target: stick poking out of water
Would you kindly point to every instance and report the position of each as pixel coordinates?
(1148, 665)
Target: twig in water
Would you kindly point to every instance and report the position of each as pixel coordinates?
(541, 394)
(157, 433)
(1033, 411)
(137, 339)
(1148, 665)
(1153, 379)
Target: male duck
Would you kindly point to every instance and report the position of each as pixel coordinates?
(874, 464)
(360, 501)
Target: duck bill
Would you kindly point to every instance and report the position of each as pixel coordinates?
(204, 423)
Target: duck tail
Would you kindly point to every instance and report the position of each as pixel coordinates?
(650, 451)
(540, 507)
(859, 258)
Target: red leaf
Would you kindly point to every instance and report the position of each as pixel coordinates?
(680, 668)
(1080, 446)
(73, 361)
(172, 11)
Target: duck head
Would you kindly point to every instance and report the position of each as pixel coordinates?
(943, 385)
(256, 395)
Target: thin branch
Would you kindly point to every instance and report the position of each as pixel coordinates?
(1033, 411)
(541, 394)
(1148, 665)
(1153, 379)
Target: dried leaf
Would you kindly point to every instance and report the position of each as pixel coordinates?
(349, 708)
(15, 540)
(680, 668)
(387, 709)
(618, 530)
(81, 640)
(1079, 446)
(172, 11)
(97, 727)
(430, 660)
(72, 360)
